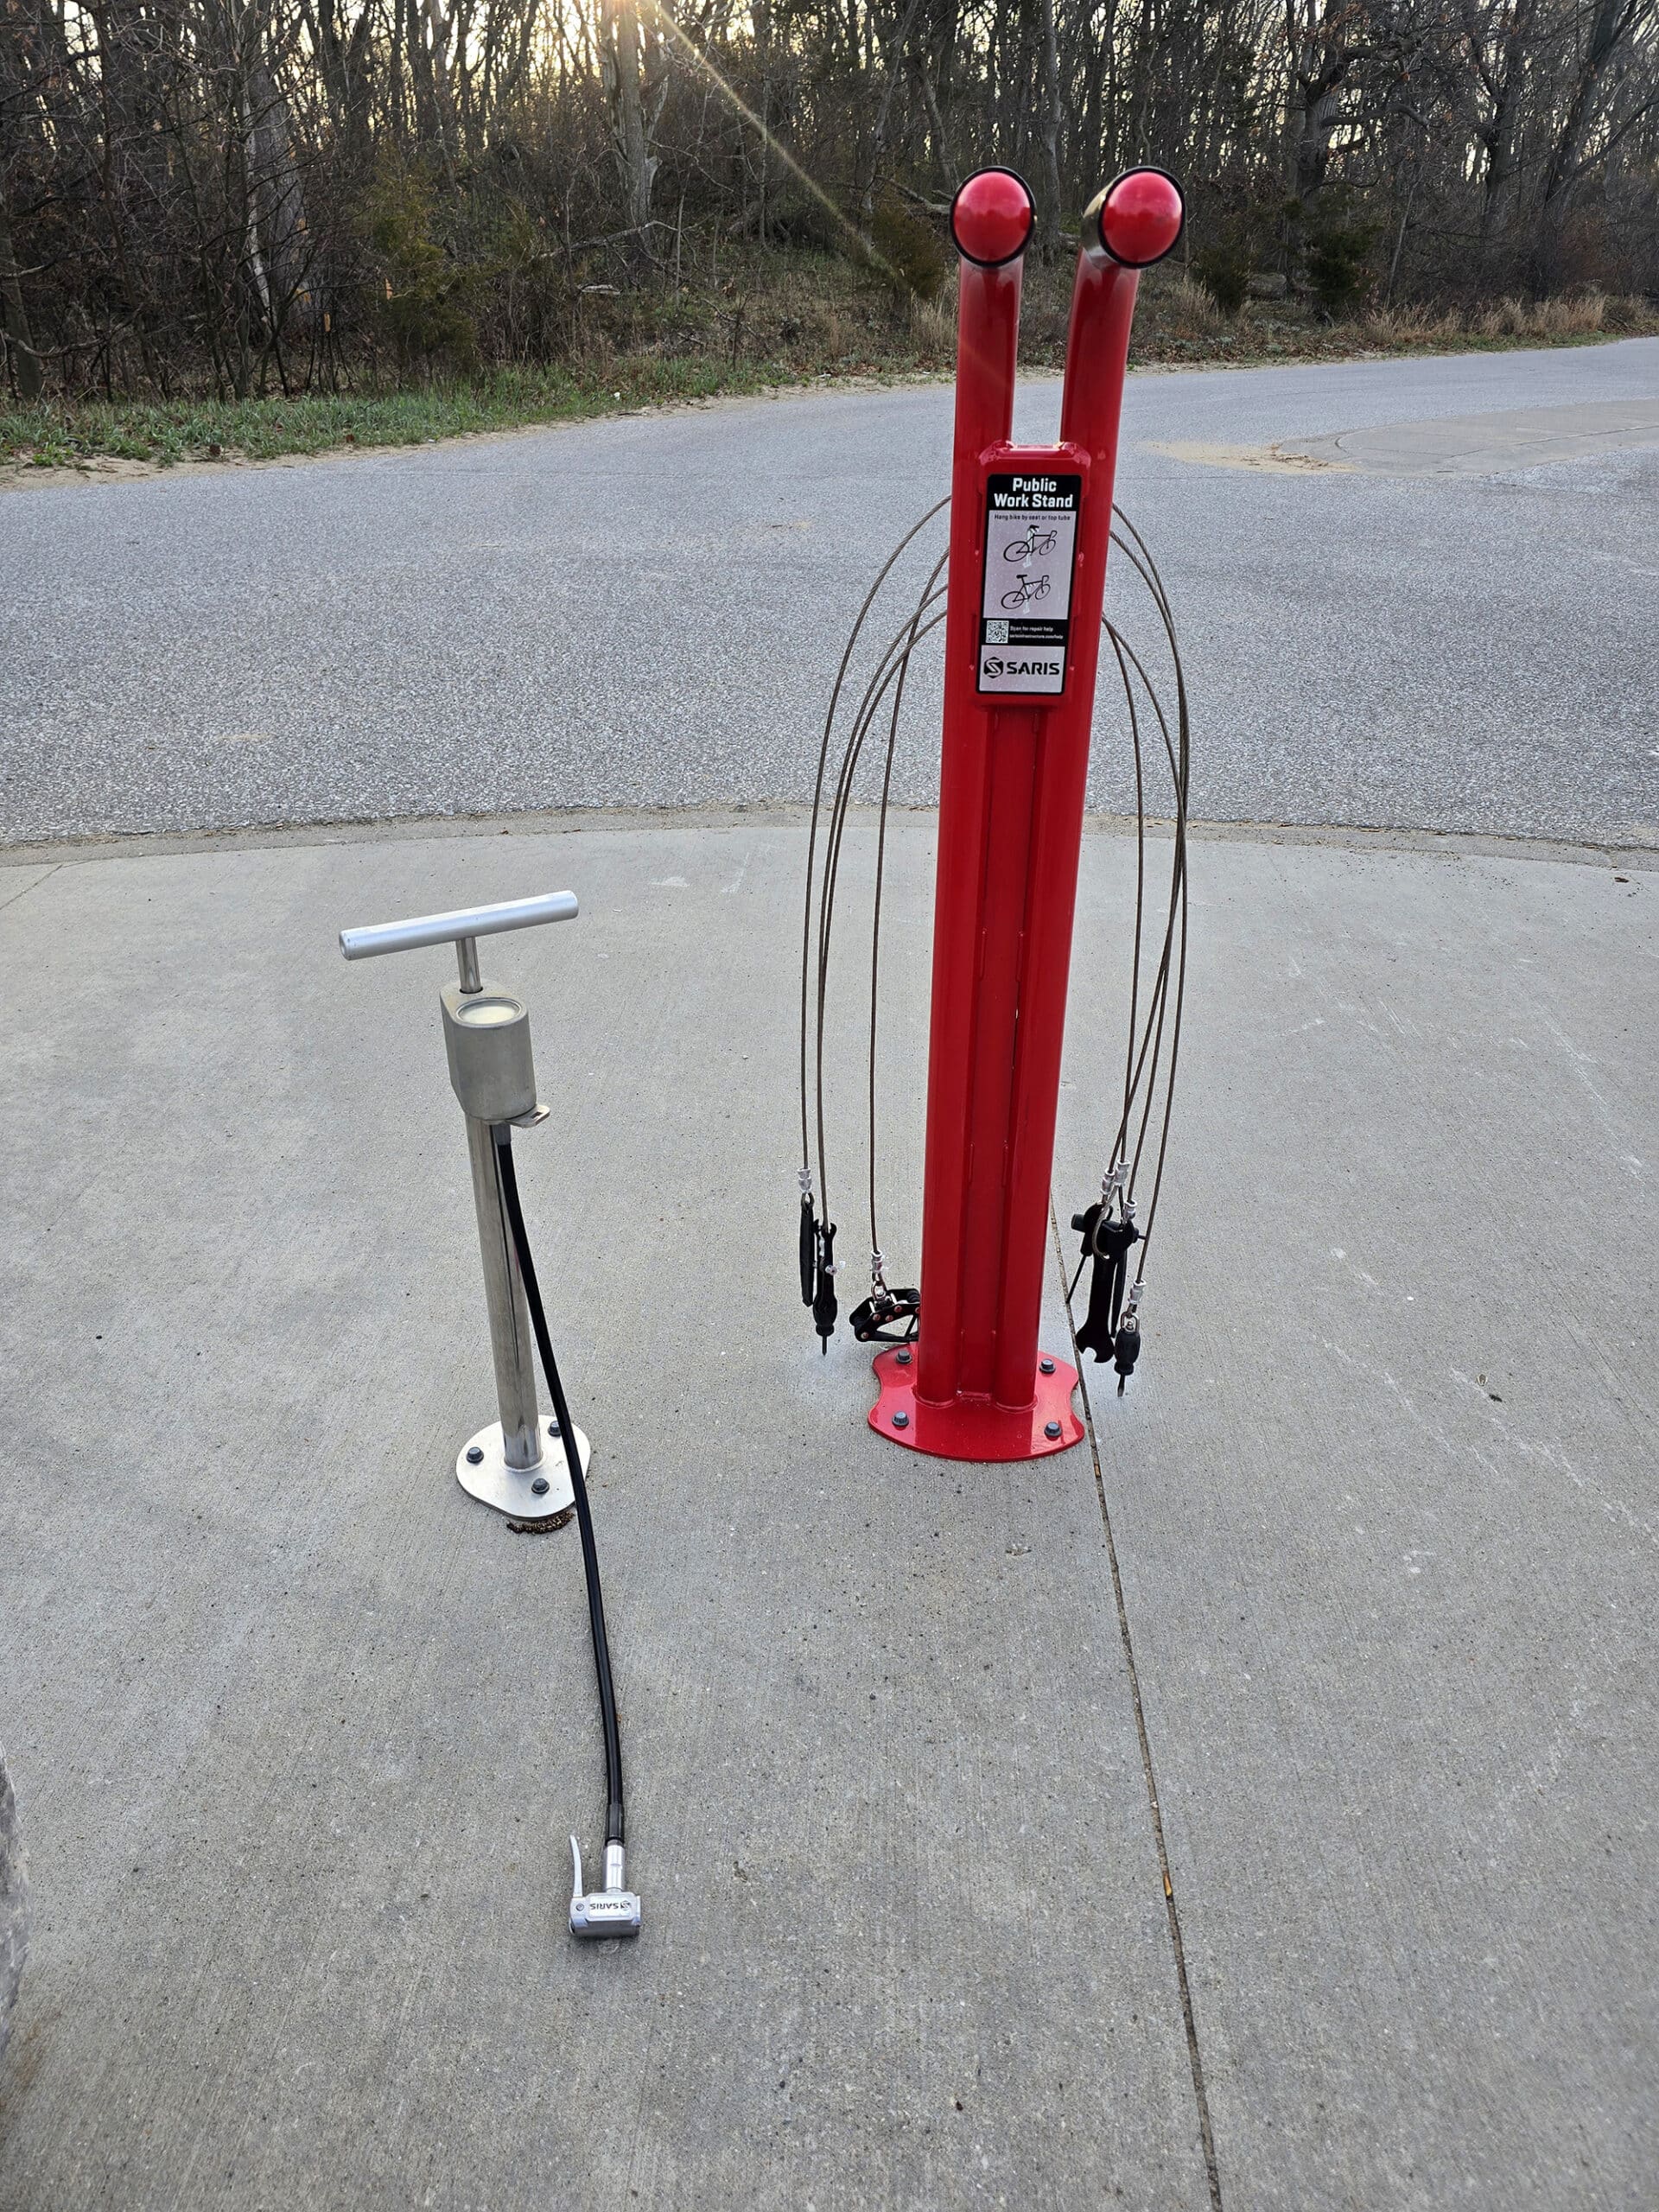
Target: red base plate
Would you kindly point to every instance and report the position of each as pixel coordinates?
(971, 1428)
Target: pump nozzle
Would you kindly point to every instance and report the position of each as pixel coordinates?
(611, 1910)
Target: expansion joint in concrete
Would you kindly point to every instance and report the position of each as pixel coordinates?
(1189, 2017)
(33, 884)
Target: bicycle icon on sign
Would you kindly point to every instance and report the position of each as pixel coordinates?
(1032, 545)
(1028, 588)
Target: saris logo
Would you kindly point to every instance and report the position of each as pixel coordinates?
(990, 668)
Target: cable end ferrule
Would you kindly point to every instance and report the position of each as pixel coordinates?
(612, 1910)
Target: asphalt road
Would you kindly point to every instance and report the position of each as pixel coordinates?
(647, 611)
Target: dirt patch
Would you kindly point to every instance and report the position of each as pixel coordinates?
(1259, 457)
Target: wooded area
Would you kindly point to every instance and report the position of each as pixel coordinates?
(229, 194)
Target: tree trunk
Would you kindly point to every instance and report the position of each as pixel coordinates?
(622, 65)
(883, 112)
(1609, 29)
(14, 319)
(1051, 133)
(942, 161)
(1320, 113)
(439, 27)
(1503, 84)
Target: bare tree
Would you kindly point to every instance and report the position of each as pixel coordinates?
(229, 193)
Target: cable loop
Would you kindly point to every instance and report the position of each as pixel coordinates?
(1156, 1004)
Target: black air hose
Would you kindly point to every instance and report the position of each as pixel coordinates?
(503, 1136)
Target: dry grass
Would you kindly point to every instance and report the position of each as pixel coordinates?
(933, 331)
(1581, 315)
(1589, 314)
(1189, 309)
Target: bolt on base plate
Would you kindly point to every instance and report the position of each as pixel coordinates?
(509, 1489)
(972, 1427)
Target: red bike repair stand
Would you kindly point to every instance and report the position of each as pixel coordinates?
(1030, 527)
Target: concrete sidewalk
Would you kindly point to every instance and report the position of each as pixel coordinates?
(298, 1730)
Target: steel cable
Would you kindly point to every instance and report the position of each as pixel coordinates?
(1145, 1060)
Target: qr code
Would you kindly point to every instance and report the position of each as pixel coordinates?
(996, 634)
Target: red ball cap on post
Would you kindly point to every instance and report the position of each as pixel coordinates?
(992, 217)
(1138, 217)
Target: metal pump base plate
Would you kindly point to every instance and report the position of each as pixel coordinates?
(508, 1489)
(975, 1428)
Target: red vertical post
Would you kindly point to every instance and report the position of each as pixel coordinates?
(1030, 527)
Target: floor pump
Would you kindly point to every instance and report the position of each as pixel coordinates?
(507, 1465)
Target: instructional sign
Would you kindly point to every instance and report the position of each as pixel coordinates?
(1025, 623)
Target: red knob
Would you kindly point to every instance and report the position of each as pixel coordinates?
(1141, 217)
(991, 217)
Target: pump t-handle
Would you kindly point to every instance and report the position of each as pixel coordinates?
(451, 929)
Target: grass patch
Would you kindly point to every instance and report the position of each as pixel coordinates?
(55, 435)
